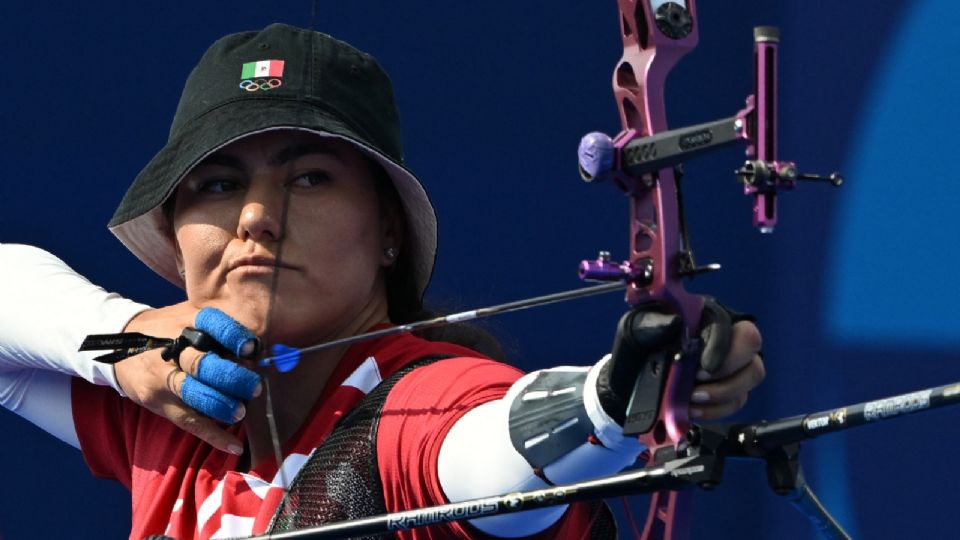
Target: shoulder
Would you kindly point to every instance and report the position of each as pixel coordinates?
(457, 379)
(436, 394)
(398, 351)
(427, 401)
(461, 376)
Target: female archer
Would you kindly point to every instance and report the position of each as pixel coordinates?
(282, 206)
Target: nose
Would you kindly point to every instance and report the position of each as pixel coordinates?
(261, 218)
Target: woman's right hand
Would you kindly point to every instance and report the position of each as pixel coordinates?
(204, 389)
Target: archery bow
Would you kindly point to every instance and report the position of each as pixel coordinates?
(641, 162)
(654, 38)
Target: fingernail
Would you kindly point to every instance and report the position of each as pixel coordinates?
(257, 390)
(239, 413)
(700, 396)
(696, 413)
(235, 449)
(703, 375)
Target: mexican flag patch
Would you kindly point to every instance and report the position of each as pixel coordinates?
(262, 68)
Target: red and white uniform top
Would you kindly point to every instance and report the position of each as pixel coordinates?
(184, 488)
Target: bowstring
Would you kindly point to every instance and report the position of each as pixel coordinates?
(268, 333)
(274, 285)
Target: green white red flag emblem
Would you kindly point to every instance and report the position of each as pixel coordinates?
(263, 68)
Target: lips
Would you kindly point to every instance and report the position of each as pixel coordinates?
(258, 263)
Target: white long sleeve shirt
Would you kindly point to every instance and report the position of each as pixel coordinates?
(46, 309)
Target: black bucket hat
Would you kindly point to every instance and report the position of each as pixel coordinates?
(279, 78)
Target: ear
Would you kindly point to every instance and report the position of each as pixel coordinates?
(391, 232)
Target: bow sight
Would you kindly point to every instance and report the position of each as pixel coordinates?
(632, 161)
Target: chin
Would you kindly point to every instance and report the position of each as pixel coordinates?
(256, 320)
(251, 308)
(292, 316)
(276, 324)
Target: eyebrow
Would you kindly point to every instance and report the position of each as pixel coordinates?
(284, 156)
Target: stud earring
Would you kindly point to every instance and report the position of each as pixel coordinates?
(390, 253)
(183, 275)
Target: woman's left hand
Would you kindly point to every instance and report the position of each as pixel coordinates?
(725, 391)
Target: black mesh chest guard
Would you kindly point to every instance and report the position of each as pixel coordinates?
(341, 480)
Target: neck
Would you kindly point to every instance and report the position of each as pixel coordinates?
(294, 394)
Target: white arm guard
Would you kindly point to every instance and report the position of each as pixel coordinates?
(479, 457)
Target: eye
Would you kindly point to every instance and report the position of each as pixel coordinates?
(218, 185)
(310, 179)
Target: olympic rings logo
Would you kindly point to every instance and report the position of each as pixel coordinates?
(253, 85)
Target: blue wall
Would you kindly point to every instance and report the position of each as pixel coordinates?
(854, 291)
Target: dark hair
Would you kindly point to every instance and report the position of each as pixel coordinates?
(404, 304)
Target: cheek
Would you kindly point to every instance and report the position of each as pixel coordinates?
(340, 249)
(202, 247)
(348, 231)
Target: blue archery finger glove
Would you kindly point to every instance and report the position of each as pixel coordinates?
(227, 376)
(231, 334)
(209, 401)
